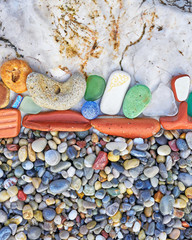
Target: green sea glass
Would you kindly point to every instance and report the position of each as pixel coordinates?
(189, 102)
(28, 106)
(136, 100)
(95, 88)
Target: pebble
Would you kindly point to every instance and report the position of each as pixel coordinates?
(181, 144)
(188, 192)
(39, 145)
(89, 160)
(174, 234)
(72, 215)
(164, 150)
(49, 214)
(71, 152)
(90, 110)
(112, 209)
(5, 233)
(189, 139)
(121, 146)
(34, 233)
(129, 164)
(52, 157)
(151, 172)
(62, 147)
(185, 178)
(166, 205)
(101, 161)
(59, 186)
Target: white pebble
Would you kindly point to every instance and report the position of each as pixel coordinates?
(137, 141)
(71, 171)
(1, 173)
(72, 215)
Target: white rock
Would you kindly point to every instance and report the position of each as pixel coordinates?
(116, 88)
(1, 173)
(136, 227)
(52, 157)
(72, 215)
(62, 147)
(121, 146)
(39, 144)
(151, 171)
(162, 236)
(138, 141)
(182, 85)
(162, 103)
(154, 182)
(71, 171)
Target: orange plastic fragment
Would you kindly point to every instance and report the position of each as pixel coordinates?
(57, 121)
(10, 123)
(179, 121)
(128, 128)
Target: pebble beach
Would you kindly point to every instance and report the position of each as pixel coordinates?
(89, 185)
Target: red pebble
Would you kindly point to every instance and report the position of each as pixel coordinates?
(21, 195)
(12, 147)
(101, 161)
(81, 144)
(104, 234)
(173, 146)
(78, 219)
(185, 224)
(103, 143)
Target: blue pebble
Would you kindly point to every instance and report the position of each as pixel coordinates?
(106, 199)
(157, 217)
(31, 173)
(47, 177)
(100, 218)
(181, 144)
(131, 213)
(5, 233)
(132, 199)
(163, 189)
(176, 192)
(49, 214)
(137, 153)
(90, 110)
(145, 195)
(147, 185)
(129, 237)
(124, 218)
(118, 167)
(160, 226)
(139, 184)
(71, 152)
(39, 163)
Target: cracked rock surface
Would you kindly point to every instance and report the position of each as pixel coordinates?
(148, 39)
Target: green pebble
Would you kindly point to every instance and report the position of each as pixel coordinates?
(95, 88)
(113, 192)
(136, 100)
(189, 102)
(28, 106)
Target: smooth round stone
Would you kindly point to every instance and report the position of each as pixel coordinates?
(49, 214)
(28, 189)
(129, 164)
(175, 234)
(95, 88)
(89, 160)
(113, 96)
(112, 157)
(39, 145)
(28, 106)
(59, 186)
(188, 192)
(89, 190)
(63, 234)
(76, 183)
(162, 140)
(34, 233)
(22, 153)
(72, 215)
(27, 165)
(52, 157)
(60, 166)
(164, 150)
(62, 147)
(112, 209)
(151, 172)
(181, 144)
(90, 110)
(71, 152)
(111, 146)
(5, 233)
(136, 100)
(185, 178)
(78, 163)
(166, 205)
(188, 138)
(180, 203)
(3, 217)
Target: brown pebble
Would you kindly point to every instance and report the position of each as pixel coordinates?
(148, 211)
(158, 195)
(175, 234)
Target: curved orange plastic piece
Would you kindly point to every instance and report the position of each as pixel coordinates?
(128, 128)
(57, 121)
(179, 121)
(173, 85)
(10, 123)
